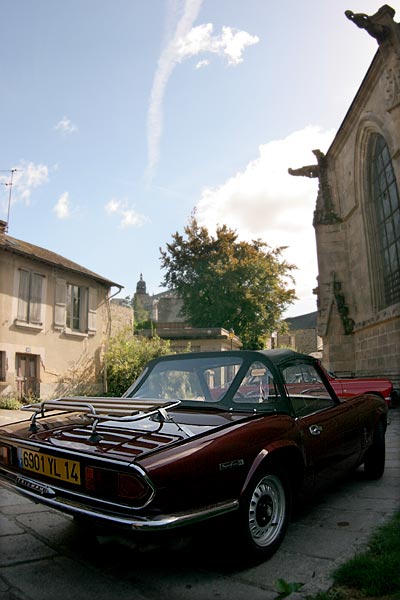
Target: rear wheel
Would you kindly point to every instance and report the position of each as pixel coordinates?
(374, 462)
(265, 513)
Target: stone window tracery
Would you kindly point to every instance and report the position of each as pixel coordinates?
(385, 213)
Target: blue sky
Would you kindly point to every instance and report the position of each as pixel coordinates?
(123, 116)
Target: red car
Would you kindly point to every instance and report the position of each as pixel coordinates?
(349, 387)
(196, 437)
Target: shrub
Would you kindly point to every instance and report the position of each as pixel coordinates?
(126, 357)
(10, 403)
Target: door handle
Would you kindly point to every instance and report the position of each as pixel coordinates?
(315, 429)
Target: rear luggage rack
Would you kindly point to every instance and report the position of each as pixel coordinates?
(102, 409)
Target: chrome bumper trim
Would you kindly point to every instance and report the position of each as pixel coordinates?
(134, 523)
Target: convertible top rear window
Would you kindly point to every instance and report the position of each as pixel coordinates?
(204, 379)
(224, 381)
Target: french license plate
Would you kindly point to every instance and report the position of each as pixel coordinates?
(52, 466)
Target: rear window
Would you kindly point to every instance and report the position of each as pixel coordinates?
(205, 379)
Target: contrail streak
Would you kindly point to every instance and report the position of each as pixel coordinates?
(166, 65)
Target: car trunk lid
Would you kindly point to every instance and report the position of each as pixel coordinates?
(125, 441)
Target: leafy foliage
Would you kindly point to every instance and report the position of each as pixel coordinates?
(10, 403)
(285, 588)
(126, 357)
(224, 282)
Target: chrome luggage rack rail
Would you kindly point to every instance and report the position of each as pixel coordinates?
(102, 409)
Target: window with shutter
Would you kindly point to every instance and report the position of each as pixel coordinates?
(60, 303)
(30, 300)
(3, 360)
(76, 306)
(36, 298)
(23, 296)
(83, 318)
(92, 312)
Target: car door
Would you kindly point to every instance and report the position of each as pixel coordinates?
(329, 428)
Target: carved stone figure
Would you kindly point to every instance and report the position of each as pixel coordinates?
(324, 213)
(343, 309)
(307, 171)
(373, 24)
(386, 31)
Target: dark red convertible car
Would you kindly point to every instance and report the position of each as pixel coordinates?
(347, 387)
(196, 437)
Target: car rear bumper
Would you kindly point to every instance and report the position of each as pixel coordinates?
(75, 505)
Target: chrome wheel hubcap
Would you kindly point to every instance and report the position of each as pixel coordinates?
(267, 510)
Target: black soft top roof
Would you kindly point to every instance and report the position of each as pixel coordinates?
(275, 356)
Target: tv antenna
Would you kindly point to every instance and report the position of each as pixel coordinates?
(9, 184)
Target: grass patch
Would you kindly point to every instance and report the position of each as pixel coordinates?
(10, 403)
(331, 595)
(375, 572)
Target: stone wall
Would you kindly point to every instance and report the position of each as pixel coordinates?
(377, 350)
(121, 317)
(301, 340)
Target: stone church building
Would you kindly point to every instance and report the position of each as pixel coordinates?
(357, 217)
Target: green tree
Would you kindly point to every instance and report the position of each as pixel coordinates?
(126, 357)
(224, 282)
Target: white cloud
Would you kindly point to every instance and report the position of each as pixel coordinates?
(202, 63)
(230, 44)
(62, 208)
(65, 126)
(264, 201)
(186, 41)
(112, 206)
(233, 43)
(26, 177)
(129, 217)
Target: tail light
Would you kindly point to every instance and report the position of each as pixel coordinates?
(110, 484)
(5, 452)
(129, 486)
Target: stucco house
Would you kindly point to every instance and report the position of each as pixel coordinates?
(357, 217)
(55, 322)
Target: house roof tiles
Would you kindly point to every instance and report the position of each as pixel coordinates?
(307, 321)
(10, 244)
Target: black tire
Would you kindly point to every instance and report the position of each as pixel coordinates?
(374, 461)
(264, 514)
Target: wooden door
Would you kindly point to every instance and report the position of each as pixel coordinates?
(28, 380)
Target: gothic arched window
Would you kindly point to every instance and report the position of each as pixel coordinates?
(385, 209)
